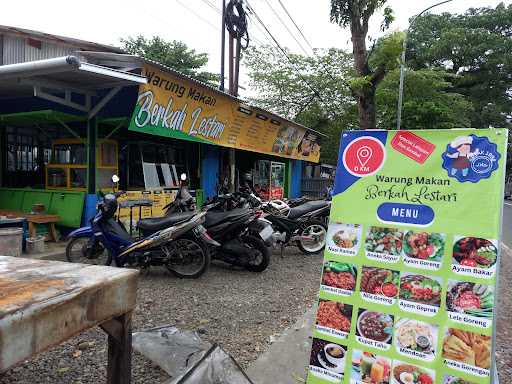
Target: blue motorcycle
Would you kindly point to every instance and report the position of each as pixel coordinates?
(179, 242)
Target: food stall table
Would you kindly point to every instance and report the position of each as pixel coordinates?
(44, 303)
(33, 219)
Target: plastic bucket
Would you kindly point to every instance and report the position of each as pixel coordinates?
(11, 241)
(35, 244)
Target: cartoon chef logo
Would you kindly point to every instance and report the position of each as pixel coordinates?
(470, 158)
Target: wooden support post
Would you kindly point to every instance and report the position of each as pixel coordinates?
(119, 330)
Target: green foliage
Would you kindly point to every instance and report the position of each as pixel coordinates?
(356, 14)
(430, 101)
(325, 104)
(361, 85)
(387, 50)
(343, 12)
(477, 46)
(174, 54)
(389, 17)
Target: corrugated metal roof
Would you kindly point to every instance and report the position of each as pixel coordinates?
(13, 50)
(76, 43)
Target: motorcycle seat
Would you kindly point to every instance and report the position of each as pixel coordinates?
(216, 217)
(310, 206)
(158, 223)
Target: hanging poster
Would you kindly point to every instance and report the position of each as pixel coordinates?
(174, 106)
(408, 287)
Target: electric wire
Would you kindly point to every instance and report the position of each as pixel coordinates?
(296, 26)
(316, 93)
(257, 26)
(212, 6)
(286, 27)
(198, 15)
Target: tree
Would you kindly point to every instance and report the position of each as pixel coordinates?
(430, 101)
(174, 54)
(476, 46)
(310, 90)
(356, 15)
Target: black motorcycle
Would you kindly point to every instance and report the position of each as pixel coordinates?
(303, 225)
(243, 238)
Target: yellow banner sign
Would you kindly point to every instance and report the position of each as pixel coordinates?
(179, 108)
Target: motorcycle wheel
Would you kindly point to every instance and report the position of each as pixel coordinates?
(75, 253)
(312, 237)
(192, 260)
(261, 261)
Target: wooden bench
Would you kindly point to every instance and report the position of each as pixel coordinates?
(33, 219)
(44, 303)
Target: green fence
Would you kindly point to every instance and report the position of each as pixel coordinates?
(68, 205)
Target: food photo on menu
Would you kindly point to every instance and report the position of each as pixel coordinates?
(448, 379)
(375, 326)
(334, 315)
(424, 245)
(475, 252)
(369, 368)
(470, 299)
(416, 339)
(327, 356)
(420, 289)
(404, 373)
(339, 275)
(467, 347)
(384, 241)
(380, 281)
(344, 238)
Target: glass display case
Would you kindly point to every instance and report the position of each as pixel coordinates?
(67, 168)
(269, 179)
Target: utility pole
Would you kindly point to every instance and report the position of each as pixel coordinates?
(223, 45)
(402, 64)
(234, 20)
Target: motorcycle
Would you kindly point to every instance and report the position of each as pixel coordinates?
(243, 237)
(304, 225)
(179, 243)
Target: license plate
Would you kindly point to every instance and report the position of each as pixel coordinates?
(266, 233)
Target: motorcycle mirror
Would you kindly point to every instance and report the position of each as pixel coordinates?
(115, 179)
(183, 177)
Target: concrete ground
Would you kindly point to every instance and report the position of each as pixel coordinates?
(286, 361)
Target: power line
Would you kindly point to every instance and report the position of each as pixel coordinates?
(307, 41)
(288, 29)
(260, 30)
(198, 15)
(212, 6)
(296, 26)
(251, 9)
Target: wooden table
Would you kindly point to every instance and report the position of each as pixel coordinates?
(44, 303)
(33, 219)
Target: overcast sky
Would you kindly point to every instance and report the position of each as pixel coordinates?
(197, 22)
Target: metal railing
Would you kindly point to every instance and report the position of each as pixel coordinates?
(315, 187)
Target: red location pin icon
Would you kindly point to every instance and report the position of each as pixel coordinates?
(364, 154)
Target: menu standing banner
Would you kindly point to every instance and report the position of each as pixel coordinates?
(409, 280)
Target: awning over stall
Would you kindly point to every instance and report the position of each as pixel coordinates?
(65, 80)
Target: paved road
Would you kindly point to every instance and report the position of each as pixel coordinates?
(507, 224)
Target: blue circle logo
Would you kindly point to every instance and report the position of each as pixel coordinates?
(470, 158)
